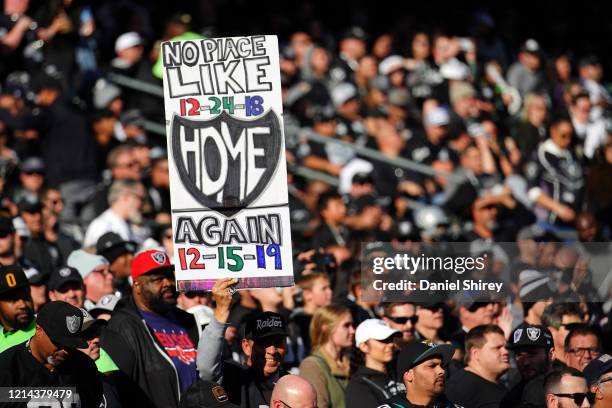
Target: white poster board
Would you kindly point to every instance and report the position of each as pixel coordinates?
(228, 175)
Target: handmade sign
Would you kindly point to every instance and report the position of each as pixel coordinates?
(228, 176)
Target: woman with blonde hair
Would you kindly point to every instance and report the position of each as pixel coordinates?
(327, 368)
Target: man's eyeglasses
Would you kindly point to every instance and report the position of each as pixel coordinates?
(579, 397)
(581, 351)
(403, 319)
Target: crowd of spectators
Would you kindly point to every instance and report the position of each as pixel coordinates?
(454, 138)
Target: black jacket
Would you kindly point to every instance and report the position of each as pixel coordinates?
(245, 388)
(370, 388)
(400, 401)
(141, 358)
(18, 368)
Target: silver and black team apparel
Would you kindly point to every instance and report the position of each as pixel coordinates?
(557, 173)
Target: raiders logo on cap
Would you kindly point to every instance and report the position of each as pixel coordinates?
(533, 333)
(65, 272)
(159, 257)
(73, 323)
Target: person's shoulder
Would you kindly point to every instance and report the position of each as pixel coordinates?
(462, 383)
(11, 353)
(12, 363)
(397, 401)
(311, 362)
(534, 384)
(533, 393)
(235, 372)
(461, 375)
(515, 68)
(124, 314)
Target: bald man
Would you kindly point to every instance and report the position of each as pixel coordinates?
(293, 391)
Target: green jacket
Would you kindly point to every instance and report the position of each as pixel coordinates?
(10, 339)
(329, 380)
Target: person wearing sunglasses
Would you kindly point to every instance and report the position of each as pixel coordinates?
(32, 178)
(401, 317)
(293, 391)
(472, 312)
(560, 319)
(567, 388)
(599, 377)
(370, 385)
(95, 273)
(119, 253)
(430, 321)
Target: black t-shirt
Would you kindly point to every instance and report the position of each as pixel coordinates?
(18, 368)
(470, 390)
(325, 235)
(513, 396)
(244, 388)
(400, 401)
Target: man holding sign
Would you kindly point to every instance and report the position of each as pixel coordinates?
(227, 162)
(153, 342)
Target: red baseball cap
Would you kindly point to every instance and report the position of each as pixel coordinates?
(149, 261)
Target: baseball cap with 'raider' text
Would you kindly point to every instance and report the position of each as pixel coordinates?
(265, 324)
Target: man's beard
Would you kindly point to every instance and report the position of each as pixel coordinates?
(22, 323)
(160, 305)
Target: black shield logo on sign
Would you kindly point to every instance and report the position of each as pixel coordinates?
(225, 163)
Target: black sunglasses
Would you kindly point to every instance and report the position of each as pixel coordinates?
(570, 326)
(579, 397)
(477, 305)
(403, 320)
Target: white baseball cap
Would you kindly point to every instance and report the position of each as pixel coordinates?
(373, 329)
(342, 93)
(455, 70)
(127, 40)
(390, 64)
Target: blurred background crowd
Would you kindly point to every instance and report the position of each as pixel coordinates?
(480, 125)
